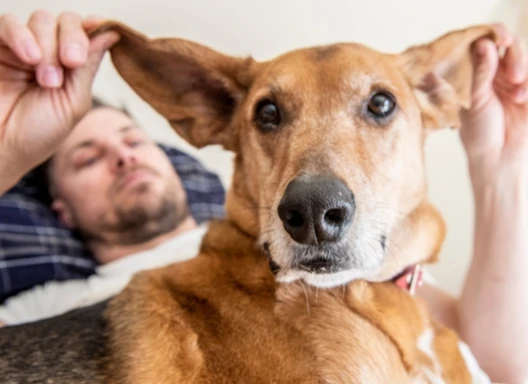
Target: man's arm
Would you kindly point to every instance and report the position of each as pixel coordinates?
(491, 313)
(10, 174)
(6, 182)
(46, 75)
(493, 308)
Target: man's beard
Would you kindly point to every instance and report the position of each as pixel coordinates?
(141, 222)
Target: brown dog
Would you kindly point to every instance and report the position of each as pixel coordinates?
(329, 186)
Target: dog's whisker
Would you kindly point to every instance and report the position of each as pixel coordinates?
(394, 252)
(381, 207)
(267, 232)
(307, 299)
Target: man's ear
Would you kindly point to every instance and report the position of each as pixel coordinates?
(64, 213)
(441, 74)
(195, 88)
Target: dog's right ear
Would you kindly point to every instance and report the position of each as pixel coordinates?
(441, 73)
(195, 88)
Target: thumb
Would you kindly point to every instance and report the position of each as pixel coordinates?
(485, 60)
(82, 77)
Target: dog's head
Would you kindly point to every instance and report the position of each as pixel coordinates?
(328, 140)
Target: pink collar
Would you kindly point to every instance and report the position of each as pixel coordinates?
(410, 278)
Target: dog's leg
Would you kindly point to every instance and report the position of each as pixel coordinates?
(150, 343)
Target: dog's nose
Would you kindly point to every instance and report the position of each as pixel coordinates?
(316, 209)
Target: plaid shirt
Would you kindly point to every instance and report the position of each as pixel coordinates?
(35, 247)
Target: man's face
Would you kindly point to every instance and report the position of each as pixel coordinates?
(110, 179)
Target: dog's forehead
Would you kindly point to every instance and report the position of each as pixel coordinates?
(348, 64)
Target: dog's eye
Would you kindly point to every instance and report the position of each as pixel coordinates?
(381, 104)
(267, 115)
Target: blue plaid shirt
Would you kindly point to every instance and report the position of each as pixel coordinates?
(36, 248)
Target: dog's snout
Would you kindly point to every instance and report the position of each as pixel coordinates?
(316, 209)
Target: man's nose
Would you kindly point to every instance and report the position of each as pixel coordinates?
(123, 158)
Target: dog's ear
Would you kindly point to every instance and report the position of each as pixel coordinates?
(441, 74)
(195, 88)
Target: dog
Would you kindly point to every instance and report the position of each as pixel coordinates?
(328, 205)
(328, 187)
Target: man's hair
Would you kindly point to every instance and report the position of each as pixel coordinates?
(98, 103)
(44, 171)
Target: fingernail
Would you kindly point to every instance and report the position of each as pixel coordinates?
(32, 51)
(73, 52)
(52, 76)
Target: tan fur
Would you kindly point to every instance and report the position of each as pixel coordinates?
(160, 322)
(222, 318)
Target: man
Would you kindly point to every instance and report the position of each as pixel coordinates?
(118, 189)
(490, 315)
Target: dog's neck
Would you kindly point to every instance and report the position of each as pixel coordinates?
(228, 237)
(416, 239)
(242, 211)
(240, 256)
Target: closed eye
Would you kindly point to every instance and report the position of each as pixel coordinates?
(88, 162)
(85, 158)
(134, 138)
(135, 143)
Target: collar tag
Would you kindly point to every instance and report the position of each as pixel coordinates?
(410, 279)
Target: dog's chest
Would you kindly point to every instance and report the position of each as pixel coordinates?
(348, 348)
(242, 340)
(372, 333)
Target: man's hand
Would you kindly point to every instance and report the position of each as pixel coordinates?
(46, 72)
(492, 311)
(495, 129)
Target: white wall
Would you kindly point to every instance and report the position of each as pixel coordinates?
(267, 28)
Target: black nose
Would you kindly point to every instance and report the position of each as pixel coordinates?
(316, 209)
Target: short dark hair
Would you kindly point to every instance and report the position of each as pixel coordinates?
(98, 103)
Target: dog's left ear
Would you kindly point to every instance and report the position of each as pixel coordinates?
(194, 87)
(441, 74)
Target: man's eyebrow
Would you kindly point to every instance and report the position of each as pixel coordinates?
(90, 143)
(81, 145)
(127, 128)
